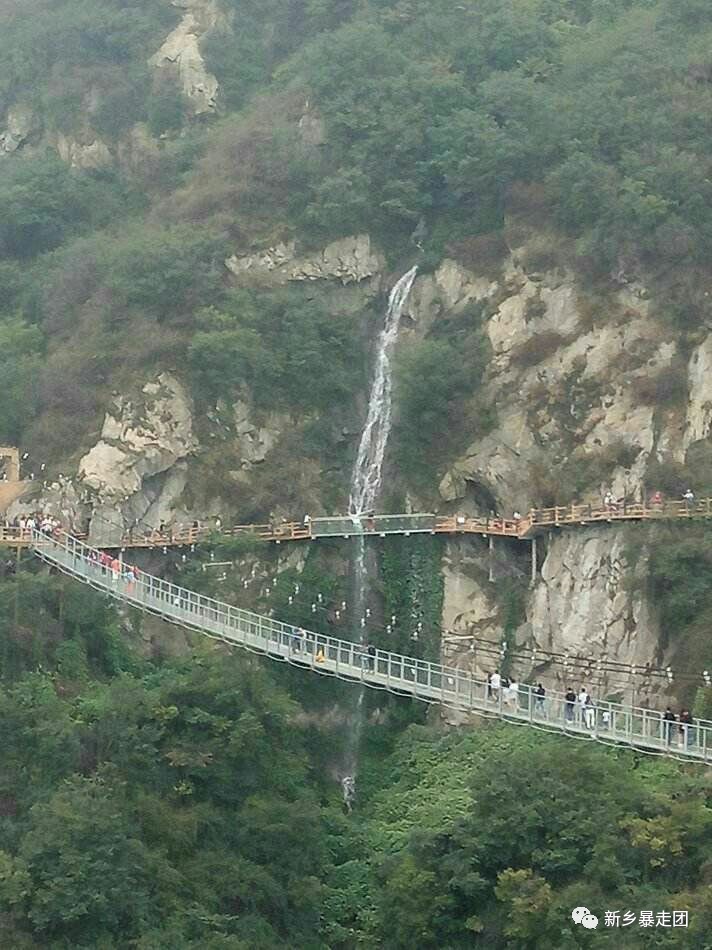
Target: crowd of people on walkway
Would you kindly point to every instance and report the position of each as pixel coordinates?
(579, 708)
(678, 723)
(36, 521)
(113, 566)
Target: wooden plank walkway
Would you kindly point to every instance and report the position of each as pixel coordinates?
(533, 523)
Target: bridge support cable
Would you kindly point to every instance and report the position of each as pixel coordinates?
(613, 723)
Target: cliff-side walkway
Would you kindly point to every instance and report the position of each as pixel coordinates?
(526, 528)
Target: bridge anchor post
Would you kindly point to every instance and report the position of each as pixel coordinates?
(534, 566)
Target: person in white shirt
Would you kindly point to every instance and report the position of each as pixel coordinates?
(582, 700)
(495, 683)
(511, 694)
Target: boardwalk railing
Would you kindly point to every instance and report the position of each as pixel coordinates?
(522, 528)
(431, 682)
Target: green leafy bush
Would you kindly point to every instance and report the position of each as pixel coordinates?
(44, 203)
(291, 352)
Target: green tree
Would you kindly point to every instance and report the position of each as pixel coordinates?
(21, 349)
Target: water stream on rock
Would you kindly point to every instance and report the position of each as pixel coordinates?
(366, 481)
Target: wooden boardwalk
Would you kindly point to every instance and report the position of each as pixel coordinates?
(533, 523)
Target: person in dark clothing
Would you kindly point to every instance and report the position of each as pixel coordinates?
(570, 704)
(540, 697)
(669, 718)
(371, 650)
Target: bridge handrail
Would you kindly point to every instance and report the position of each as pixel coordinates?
(347, 525)
(433, 682)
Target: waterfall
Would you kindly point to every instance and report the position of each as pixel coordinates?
(366, 476)
(366, 481)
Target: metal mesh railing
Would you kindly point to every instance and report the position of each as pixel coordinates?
(372, 524)
(431, 682)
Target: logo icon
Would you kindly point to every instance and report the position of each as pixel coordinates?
(583, 916)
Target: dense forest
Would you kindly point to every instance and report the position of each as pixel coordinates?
(183, 803)
(150, 801)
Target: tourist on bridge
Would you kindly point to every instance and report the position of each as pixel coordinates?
(657, 499)
(669, 718)
(689, 498)
(511, 695)
(582, 700)
(371, 651)
(589, 712)
(495, 683)
(539, 698)
(569, 705)
(686, 722)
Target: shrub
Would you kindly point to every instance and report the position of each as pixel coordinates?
(44, 202)
(668, 386)
(292, 352)
(167, 272)
(537, 348)
(483, 253)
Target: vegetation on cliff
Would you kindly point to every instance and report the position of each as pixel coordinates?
(586, 116)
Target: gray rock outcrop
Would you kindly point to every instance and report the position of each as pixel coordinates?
(136, 472)
(348, 260)
(181, 50)
(21, 124)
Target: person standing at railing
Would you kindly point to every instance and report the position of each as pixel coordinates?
(115, 569)
(686, 722)
(689, 499)
(569, 704)
(589, 713)
(511, 695)
(669, 718)
(583, 698)
(539, 698)
(495, 682)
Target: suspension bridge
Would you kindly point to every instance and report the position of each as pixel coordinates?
(612, 723)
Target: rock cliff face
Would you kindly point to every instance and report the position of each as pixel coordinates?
(136, 473)
(571, 383)
(584, 615)
(181, 50)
